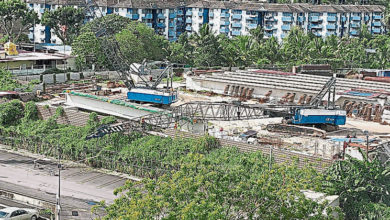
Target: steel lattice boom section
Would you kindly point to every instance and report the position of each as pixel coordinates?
(218, 111)
(185, 113)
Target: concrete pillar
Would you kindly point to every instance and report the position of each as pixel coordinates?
(233, 88)
(226, 91)
(236, 91)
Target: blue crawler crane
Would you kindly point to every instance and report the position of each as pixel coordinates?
(118, 62)
(315, 117)
(148, 91)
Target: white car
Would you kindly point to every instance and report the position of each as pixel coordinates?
(13, 213)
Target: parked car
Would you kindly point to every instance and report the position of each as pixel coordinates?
(14, 213)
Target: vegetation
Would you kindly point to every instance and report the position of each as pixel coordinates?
(205, 49)
(194, 178)
(224, 184)
(15, 19)
(136, 41)
(363, 186)
(65, 21)
(7, 83)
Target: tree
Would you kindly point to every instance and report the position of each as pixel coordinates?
(223, 184)
(207, 46)
(88, 51)
(65, 21)
(363, 187)
(238, 51)
(135, 40)
(181, 51)
(16, 19)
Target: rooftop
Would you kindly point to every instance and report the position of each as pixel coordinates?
(297, 7)
(255, 6)
(33, 56)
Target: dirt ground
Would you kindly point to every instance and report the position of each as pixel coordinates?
(372, 127)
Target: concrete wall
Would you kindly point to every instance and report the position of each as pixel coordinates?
(64, 77)
(17, 64)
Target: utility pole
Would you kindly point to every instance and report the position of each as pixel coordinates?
(367, 136)
(59, 185)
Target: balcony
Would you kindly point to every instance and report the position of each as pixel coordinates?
(343, 18)
(160, 16)
(283, 36)
(236, 33)
(377, 24)
(171, 33)
(376, 31)
(211, 14)
(31, 36)
(236, 25)
(237, 17)
(317, 34)
(189, 13)
(268, 35)
(41, 10)
(300, 18)
(366, 18)
(331, 27)
(287, 19)
(225, 15)
(269, 27)
(133, 16)
(149, 24)
(252, 26)
(188, 28)
(200, 14)
(148, 16)
(286, 27)
(332, 19)
(180, 12)
(224, 30)
(356, 18)
(354, 33)
(377, 17)
(313, 26)
(188, 20)
(179, 19)
(172, 15)
(355, 25)
(331, 33)
(315, 19)
(225, 23)
(160, 25)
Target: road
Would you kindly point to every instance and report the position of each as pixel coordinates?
(5, 203)
(81, 187)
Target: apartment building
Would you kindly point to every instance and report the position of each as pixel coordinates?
(171, 18)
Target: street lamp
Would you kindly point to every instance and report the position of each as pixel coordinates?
(59, 185)
(365, 132)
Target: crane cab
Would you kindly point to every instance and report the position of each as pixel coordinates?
(319, 116)
(152, 96)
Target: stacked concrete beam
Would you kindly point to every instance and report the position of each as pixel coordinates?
(280, 84)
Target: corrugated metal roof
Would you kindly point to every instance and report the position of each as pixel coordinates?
(298, 7)
(165, 4)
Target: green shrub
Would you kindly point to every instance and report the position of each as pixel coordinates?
(30, 111)
(11, 113)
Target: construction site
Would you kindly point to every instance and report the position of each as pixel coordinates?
(306, 115)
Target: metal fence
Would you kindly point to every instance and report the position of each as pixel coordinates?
(275, 154)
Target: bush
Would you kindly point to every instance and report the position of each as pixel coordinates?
(11, 113)
(30, 111)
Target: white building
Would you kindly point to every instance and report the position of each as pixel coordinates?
(171, 18)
